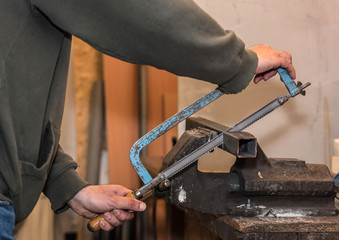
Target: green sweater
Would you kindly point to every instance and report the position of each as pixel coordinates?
(35, 41)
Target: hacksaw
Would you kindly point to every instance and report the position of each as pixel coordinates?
(150, 183)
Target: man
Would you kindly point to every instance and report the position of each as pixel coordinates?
(35, 40)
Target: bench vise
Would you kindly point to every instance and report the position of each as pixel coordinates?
(258, 198)
(255, 185)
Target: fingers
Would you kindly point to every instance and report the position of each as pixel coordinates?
(257, 78)
(269, 60)
(286, 55)
(119, 190)
(115, 218)
(264, 76)
(269, 74)
(128, 204)
(287, 64)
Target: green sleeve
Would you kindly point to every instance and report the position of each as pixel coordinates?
(63, 181)
(175, 35)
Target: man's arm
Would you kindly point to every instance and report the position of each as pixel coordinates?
(66, 189)
(175, 35)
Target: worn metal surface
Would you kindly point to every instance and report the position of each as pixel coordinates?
(290, 177)
(274, 176)
(261, 198)
(193, 189)
(240, 144)
(242, 228)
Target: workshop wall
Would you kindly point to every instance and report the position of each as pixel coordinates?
(305, 127)
(121, 94)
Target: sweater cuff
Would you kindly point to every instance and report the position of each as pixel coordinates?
(63, 189)
(245, 74)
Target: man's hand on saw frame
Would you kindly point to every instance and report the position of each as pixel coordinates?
(107, 199)
(269, 60)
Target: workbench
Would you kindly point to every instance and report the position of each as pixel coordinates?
(204, 226)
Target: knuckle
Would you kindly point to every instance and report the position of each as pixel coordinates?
(114, 222)
(126, 216)
(132, 204)
(106, 226)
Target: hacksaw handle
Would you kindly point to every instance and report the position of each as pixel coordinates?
(288, 81)
(94, 226)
